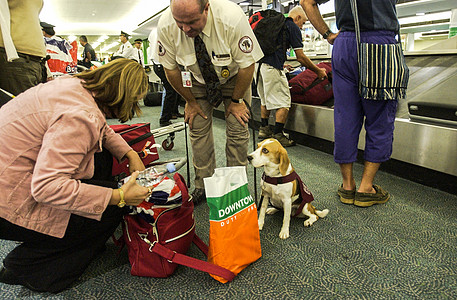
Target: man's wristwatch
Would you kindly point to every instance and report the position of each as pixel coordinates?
(241, 100)
(325, 35)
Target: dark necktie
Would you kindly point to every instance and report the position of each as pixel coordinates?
(213, 89)
(139, 57)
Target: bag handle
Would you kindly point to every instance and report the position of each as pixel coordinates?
(178, 258)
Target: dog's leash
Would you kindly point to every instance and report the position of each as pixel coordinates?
(252, 125)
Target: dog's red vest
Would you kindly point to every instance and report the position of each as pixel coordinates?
(305, 194)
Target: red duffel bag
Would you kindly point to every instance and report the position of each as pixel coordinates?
(140, 138)
(306, 88)
(156, 246)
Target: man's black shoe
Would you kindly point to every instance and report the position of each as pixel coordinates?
(165, 123)
(198, 196)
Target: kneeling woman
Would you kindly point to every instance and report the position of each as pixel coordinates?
(51, 201)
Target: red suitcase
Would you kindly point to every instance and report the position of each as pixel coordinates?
(306, 88)
(140, 138)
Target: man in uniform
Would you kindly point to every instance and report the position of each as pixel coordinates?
(208, 51)
(24, 70)
(125, 50)
(138, 52)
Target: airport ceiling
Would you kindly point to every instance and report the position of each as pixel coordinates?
(106, 18)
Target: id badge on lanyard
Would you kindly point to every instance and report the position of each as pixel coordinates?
(186, 79)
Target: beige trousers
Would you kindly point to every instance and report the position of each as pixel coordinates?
(202, 138)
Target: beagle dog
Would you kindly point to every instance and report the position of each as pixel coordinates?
(282, 187)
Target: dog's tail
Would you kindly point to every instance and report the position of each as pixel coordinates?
(322, 213)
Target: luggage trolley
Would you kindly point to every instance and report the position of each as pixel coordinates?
(142, 139)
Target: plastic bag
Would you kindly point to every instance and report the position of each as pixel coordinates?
(234, 240)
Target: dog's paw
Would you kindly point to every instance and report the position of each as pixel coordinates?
(271, 210)
(307, 223)
(284, 234)
(310, 221)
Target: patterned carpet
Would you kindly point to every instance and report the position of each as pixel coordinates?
(404, 249)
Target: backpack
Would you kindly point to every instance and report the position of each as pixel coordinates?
(267, 25)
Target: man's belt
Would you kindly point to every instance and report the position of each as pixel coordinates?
(26, 56)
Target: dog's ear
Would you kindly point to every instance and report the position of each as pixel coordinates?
(283, 161)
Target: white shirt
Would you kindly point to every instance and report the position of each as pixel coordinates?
(227, 35)
(125, 50)
(138, 55)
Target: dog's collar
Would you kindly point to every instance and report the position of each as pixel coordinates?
(280, 180)
(305, 193)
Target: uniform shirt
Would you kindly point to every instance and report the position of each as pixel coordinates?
(138, 55)
(293, 39)
(27, 35)
(373, 15)
(52, 132)
(228, 37)
(126, 51)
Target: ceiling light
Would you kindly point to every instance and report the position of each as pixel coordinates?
(109, 46)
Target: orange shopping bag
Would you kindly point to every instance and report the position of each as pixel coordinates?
(234, 240)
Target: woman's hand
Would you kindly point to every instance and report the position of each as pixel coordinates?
(135, 162)
(134, 193)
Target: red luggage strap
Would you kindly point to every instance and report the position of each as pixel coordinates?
(305, 193)
(178, 258)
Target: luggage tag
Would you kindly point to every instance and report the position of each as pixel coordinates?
(186, 79)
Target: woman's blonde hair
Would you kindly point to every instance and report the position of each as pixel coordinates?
(117, 87)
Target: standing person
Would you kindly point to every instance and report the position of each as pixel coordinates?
(88, 52)
(55, 133)
(379, 25)
(208, 51)
(125, 50)
(273, 86)
(138, 52)
(24, 70)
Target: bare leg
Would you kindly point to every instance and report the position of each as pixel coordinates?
(264, 113)
(348, 176)
(281, 115)
(369, 172)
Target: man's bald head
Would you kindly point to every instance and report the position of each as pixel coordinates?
(298, 15)
(190, 15)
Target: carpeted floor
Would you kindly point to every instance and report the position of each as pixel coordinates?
(404, 249)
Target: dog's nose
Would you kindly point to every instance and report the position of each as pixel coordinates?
(250, 157)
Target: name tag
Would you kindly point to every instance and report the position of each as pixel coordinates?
(220, 58)
(186, 79)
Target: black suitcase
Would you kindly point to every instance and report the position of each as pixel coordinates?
(433, 112)
(438, 104)
(153, 99)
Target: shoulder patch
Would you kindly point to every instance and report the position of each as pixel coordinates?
(245, 44)
(160, 49)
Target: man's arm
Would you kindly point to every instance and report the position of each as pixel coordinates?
(315, 17)
(192, 108)
(305, 61)
(243, 82)
(88, 57)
